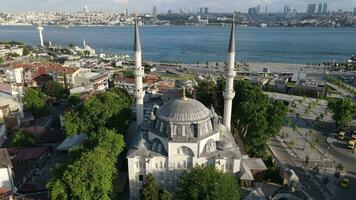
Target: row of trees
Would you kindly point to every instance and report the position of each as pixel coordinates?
(197, 183)
(253, 116)
(90, 170)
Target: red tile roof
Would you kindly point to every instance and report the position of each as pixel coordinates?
(124, 79)
(5, 87)
(42, 68)
(4, 193)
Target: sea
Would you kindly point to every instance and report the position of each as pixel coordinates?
(188, 44)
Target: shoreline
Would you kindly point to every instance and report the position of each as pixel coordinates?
(252, 67)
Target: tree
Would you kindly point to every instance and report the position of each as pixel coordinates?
(128, 73)
(344, 110)
(25, 51)
(151, 191)
(254, 118)
(23, 139)
(53, 89)
(150, 188)
(208, 92)
(110, 109)
(275, 115)
(74, 99)
(90, 169)
(74, 123)
(90, 177)
(34, 101)
(165, 195)
(207, 183)
(249, 108)
(1, 60)
(109, 140)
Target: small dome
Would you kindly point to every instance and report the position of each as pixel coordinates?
(183, 110)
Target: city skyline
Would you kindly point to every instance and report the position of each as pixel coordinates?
(164, 5)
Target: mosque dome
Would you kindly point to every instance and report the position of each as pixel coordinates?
(183, 118)
(183, 110)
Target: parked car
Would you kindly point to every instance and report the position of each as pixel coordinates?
(344, 182)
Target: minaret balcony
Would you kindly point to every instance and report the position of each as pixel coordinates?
(229, 95)
(139, 72)
(140, 94)
(231, 73)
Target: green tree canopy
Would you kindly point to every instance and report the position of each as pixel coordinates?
(25, 51)
(275, 117)
(34, 101)
(344, 110)
(90, 169)
(253, 116)
(109, 109)
(207, 183)
(54, 89)
(90, 177)
(109, 140)
(150, 188)
(23, 139)
(256, 119)
(74, 99)
(249, 108)
(209, 93)
(128, 73)
(165, 195)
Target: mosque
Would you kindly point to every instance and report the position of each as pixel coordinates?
(183, 133)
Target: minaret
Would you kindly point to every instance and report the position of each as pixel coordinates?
(84, 43)
(229, 92)
(40, 29)
(139, 73)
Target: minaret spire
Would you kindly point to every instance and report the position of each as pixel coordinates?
(139, 73)
(137, 44)
(229, 92)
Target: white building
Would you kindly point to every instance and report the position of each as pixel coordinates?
(183, 133)
(7, 187)
(14, 75)
(86, 50)
(87, 81)
(12, 50)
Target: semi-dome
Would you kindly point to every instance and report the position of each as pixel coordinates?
(183, 110)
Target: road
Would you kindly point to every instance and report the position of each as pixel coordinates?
(348, 160)
(285, 159)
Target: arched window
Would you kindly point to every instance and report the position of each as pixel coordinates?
(157, 146)
(185, 151)
(210, 146)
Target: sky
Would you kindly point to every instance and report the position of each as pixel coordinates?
(145, 6)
